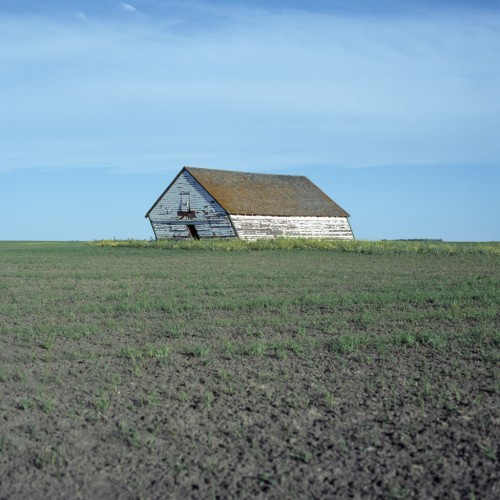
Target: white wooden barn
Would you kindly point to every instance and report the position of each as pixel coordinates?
(206, 203)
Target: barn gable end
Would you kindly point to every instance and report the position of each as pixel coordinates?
(186, 210)
(206, 203)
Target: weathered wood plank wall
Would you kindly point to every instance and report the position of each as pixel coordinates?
(210, 219)
(252, 227)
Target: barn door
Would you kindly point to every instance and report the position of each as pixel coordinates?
(193, 232)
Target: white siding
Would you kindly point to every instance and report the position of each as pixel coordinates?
(211, 220)
(253, 227)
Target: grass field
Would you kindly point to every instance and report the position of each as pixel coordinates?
(133, 371)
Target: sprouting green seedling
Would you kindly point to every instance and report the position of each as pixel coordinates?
(130, 353)
(280, 351)
(48, 342)
(115, 382)
(303, 456)
(208, 398)
(257, 348)
(223, 374)
(150, 441)
(296, 347)
(131, 435)
(102, 402)
(397, 492)
(46, 404)
(158, 352)
(49, 457)
(151, 398)
(26, 404)
(301, 331)
(137, 369)
(342, 444)
(456, 392)
(183, 396)
(347, 343)
(198, 351)
(19, 376)
(229, 349)
(211, 465)
(266, 478)
(180, 467)
(488, 451)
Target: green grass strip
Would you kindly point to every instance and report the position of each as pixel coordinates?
(353, 246)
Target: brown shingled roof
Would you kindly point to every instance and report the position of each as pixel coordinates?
(266, 194)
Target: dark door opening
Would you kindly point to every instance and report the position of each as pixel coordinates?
(193, 232)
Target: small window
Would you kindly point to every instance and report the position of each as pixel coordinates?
(185, 211)
(185, 201)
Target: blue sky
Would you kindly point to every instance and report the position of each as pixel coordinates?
(391, 107)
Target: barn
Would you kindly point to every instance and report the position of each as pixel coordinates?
(208, 203)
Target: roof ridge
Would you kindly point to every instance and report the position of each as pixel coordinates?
(188, 168)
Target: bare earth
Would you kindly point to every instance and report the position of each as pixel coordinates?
(114, 416)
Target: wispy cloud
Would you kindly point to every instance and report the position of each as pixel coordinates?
(224, 85)
(127, 7)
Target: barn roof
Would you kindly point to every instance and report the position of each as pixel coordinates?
(241, 193)
(266, 194)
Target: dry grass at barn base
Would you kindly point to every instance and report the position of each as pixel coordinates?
(275, 373)
(385, 247)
